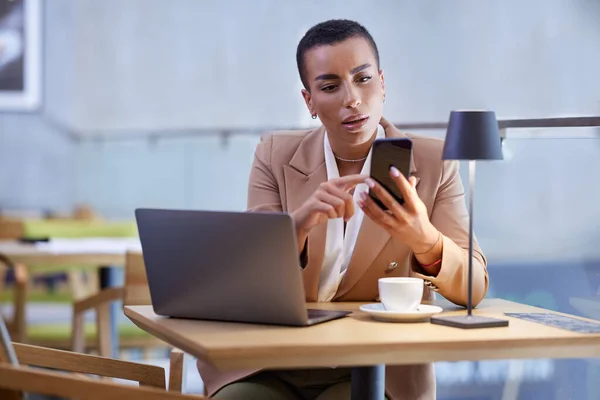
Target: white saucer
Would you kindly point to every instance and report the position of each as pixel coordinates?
(377, 311)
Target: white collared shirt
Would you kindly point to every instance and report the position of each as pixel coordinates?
(339, 244)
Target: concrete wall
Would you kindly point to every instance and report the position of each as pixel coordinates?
(36, 155)
(117, 68)
(36, 164)
(190, 64)
(150, 64)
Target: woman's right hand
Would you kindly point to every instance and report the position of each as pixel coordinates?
(332, 199)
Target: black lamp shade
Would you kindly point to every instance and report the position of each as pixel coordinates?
(472, 135)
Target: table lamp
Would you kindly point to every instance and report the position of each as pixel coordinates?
(471, 135)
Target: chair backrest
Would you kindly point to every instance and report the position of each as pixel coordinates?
(16, 381)
(11, 229)
(137, 292)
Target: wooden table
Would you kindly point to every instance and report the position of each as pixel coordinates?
(81, 252)
(103, 253)
(358, 340)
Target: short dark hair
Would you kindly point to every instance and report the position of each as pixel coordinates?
(329, 33)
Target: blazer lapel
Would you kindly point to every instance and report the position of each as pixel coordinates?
(305, 172)
(371, 237)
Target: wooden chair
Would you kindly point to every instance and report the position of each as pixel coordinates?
(135, 292)
(18, 375)
(16, 326)
(10, 228)
(14, 229)
(83, 284)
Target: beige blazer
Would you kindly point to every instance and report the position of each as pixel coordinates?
(289, 166)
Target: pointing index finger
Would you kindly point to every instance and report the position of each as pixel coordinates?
(349, 181)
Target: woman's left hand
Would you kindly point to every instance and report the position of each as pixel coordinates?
(409, 222)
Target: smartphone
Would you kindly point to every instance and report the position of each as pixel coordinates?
(386, 153)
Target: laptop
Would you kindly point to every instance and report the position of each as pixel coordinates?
(225, 266)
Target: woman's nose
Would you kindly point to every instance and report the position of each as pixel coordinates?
(352, 99)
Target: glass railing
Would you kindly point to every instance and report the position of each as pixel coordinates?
(536, 217)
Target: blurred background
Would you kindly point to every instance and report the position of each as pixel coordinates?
(106, 106)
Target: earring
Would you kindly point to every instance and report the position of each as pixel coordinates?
(384, 98)
(314, 116)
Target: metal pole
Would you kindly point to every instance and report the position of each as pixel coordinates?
(7, 346)
(9, 350)
(471, 194)
(368, 383)
(108, 278)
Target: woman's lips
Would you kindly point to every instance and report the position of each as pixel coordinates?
(356, 124)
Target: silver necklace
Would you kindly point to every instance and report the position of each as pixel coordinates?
(346, 160)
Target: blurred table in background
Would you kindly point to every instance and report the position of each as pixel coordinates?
(104, 254)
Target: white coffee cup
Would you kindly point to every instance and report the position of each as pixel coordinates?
(401, 294)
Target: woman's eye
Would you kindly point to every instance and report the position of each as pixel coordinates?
(328, 88)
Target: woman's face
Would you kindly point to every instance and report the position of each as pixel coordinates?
(346, 89)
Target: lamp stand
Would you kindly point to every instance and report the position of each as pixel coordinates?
(470, 321)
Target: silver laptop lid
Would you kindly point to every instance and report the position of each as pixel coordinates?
(228, 266)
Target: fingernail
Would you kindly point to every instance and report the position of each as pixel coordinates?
(394, 171)
(370, 182)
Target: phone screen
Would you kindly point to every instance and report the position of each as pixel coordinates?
(395, 152)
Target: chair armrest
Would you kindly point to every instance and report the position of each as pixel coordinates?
(146, 375)
(21, 274)
(100, 303)
(63, 385)
(5, 260)
(104, 296)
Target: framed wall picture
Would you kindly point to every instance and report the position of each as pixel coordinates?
(20, 55)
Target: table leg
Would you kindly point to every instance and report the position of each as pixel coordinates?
(109, 278)
(368, 383)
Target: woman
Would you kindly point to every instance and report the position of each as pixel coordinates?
(345, 241)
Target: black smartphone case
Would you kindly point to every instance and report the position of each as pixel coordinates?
(390, 152)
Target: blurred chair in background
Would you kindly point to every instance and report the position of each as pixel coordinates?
(17, 375)
(20, 280)
(134, 293)
(54, 285)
